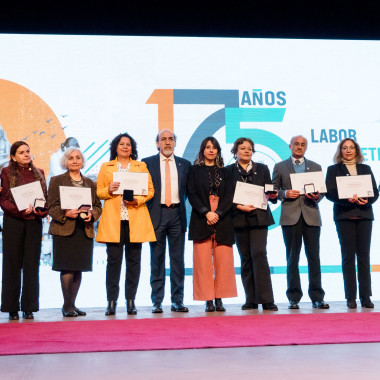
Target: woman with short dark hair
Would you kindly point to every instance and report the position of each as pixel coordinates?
(22, 235)
(124, 224)
(251, 228)
(211, 227)
(353, 219)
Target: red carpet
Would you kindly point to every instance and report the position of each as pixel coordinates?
(184, 333)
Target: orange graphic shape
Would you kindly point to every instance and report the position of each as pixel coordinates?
(25, 116)
(164, 100)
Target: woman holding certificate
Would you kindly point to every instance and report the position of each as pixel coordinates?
(125, 222)
(353, 219)
(72, 227)
(211, 227)
(251, 227)
(22, 233)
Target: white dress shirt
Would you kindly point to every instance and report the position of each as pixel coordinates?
(173, 176)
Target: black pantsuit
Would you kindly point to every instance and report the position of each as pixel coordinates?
(255, 273)
(355, 239)
(354, 227)
(21, 263)
(293, 236)
(132, 263)
(170, 227)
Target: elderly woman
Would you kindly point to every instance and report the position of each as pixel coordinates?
(22, 234)
(72, 230)
(251, 228)
(353, 219)
(123, 223)
(211, 227)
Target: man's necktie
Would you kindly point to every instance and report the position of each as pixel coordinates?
(297, 162)
(168, 187)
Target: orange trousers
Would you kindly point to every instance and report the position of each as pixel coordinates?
(213, 270)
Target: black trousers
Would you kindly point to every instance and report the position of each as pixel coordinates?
(115, 260)
(355, 241)
(21, 264)
(293, 236)
(170, 228)
(255, 274)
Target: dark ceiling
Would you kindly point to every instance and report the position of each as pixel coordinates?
(273, 19)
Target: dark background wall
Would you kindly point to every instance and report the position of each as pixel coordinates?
(272, 19)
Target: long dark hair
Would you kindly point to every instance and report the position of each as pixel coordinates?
(200, 159)
(14, 178)
(115, 143)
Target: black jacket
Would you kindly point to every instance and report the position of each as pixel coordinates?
(343, 209)
(261, 177)
(198, 190)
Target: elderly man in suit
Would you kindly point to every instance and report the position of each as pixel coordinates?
(300, 219)
(168, 213)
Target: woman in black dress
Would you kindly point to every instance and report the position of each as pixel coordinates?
(72, 230)
(353, 219)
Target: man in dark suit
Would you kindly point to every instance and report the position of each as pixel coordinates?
(300, 220)
(168, 213)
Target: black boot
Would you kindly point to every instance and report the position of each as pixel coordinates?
(209, 306)
(131, 308)
(111, 308)
(219, 305)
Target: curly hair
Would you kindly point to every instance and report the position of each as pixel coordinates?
(240, 141)
(115, 143)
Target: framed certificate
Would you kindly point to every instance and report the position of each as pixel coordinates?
(26, 195)
(361, 185)
(312, 180)
(138, 182)
(73, 197)
(248, 194)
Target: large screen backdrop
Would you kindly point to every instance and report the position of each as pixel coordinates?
(91, 88)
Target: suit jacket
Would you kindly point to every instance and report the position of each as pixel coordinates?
(60, 225)
(154, 205)
(292, 208)
(343, 209)
(261, 177)
(140, 225)
(198, 190)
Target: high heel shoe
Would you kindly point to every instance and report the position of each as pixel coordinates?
(131, 308)
(111, 308)
(209, 306)
(69, 313)
(219, 305)
(80, 313)
(367, 303)
(351, 304)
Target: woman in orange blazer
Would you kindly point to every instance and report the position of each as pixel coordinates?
(123, 223)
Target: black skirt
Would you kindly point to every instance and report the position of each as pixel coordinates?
(73, 252)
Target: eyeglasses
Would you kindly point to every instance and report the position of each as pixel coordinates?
(345, 148)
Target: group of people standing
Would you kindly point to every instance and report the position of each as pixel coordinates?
(216, 223)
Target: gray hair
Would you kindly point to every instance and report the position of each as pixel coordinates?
(67, 154)
(294, 137)
(165, 130)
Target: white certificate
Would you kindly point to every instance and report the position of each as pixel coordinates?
(361, 185)
(73, 197)
(299, 180)
(138, 182)
(25, 195)
(248, 194)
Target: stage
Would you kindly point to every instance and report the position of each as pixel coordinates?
(285, 362)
